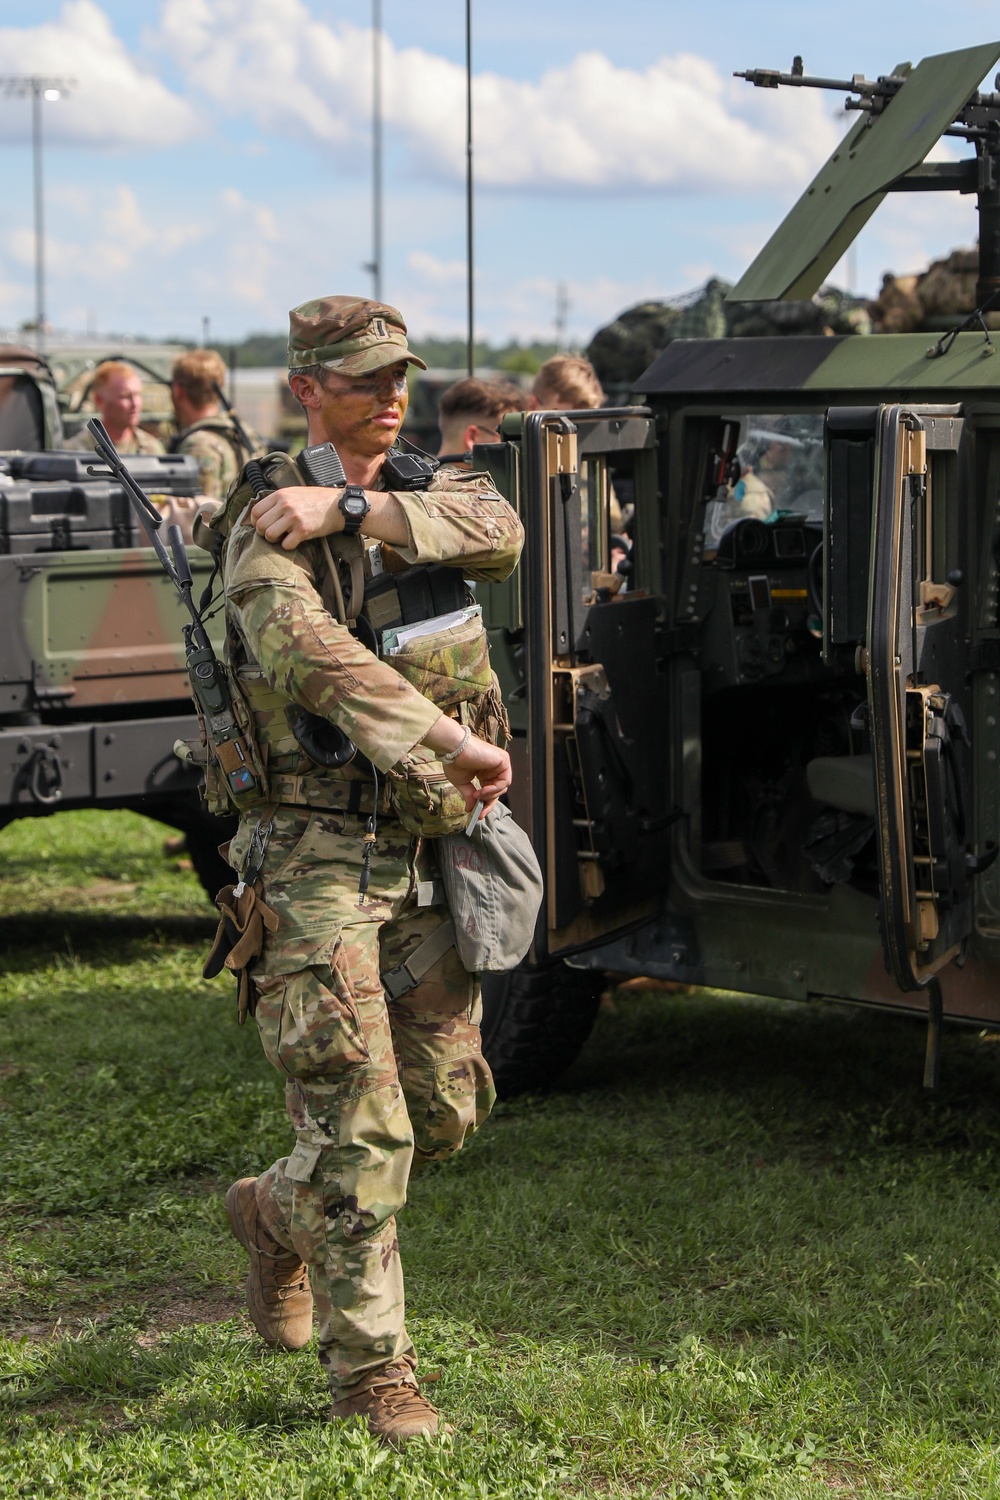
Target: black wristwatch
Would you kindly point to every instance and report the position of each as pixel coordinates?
(354, 507)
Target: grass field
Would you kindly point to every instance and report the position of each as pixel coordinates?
(738, 1253)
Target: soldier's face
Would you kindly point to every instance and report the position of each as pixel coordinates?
(120, 401)
(365, 413)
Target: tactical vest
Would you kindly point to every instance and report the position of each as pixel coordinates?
(218, 424)
(421, 620)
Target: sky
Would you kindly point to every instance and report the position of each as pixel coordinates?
(212, 158)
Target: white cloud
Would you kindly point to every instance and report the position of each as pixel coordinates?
(430, 268)
(520, 308)
(677, 125)
(909, 230)
(114, 101)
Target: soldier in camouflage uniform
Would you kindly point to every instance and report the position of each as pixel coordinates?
(205, 432)
(116, 391)
(375, 1084)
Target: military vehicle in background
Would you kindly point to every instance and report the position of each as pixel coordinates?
(93, 687)
(627, 346)
(766, 758)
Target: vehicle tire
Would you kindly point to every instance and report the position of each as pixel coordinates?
(203, 833)
(203, 840)
(535, 1020)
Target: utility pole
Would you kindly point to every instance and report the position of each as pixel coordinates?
(562, 315)
(471, 334)
(377, 149)
(20, 86)
(374, 266)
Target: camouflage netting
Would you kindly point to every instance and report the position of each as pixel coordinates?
(934, 300)
(621, 351)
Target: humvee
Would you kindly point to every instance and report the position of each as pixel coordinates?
(769, 762)
(93, 687)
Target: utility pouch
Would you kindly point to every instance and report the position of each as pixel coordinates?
(225, 761)
(447, 659)
(423, 799)
(239, 938)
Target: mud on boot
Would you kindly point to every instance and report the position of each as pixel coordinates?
(279, 1298)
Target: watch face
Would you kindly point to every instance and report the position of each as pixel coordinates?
(355, 505)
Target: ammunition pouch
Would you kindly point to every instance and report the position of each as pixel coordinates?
(419, 593)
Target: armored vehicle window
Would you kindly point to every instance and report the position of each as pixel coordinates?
(777, 467)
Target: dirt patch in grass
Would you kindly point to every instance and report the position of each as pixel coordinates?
(160, 1315)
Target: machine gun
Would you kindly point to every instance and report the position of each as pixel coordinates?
(904, 113)
(209, 681)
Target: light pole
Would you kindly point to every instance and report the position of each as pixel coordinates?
(19, 86)
(377, 148)
(471, 331)
(374, 266)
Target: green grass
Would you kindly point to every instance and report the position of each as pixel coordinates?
(738, 1253)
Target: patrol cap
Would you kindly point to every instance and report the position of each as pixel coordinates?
(349, 334)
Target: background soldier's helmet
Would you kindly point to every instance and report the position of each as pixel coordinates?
(349, 334)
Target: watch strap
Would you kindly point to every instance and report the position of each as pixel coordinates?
(352, 521)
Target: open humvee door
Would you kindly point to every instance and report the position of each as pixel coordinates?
(591, 719)
(598, 718)
(918, 694)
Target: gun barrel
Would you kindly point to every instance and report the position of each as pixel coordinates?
(771, 78)
(238, 428)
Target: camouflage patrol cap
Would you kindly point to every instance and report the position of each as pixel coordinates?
(349, 334)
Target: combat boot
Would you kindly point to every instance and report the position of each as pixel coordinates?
(279, 1298)
(392, 1407)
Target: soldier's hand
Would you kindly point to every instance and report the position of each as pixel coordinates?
(482, 773)
(297, 514)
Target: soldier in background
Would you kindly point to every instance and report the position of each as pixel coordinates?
(205, 431)
(116, 391)
(469, 412)
(566, 382)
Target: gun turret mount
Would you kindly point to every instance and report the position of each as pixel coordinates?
(903, 114)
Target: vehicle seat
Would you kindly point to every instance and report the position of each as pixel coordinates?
(846, 782)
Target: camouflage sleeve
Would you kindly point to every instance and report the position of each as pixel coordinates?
(463, 519)
(216, 463)
(309, 656)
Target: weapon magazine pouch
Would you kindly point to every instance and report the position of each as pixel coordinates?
(493, 887)
(418, 593)
(422, 797)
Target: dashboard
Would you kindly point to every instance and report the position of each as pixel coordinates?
(760, 621)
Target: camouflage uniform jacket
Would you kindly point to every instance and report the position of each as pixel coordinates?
(298, 653)
(140, 442)
(213, 442)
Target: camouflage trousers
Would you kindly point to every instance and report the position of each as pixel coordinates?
(373, 1085)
